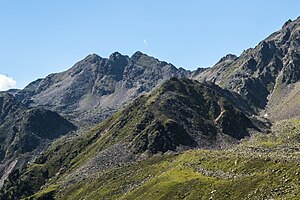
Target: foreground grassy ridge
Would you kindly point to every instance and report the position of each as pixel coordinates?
(243, 173)
(192, 175)
(262, 167)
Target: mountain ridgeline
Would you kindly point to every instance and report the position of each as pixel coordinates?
(96, 87)
(139, 128)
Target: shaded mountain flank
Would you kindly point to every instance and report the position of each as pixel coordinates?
(267, 76)
(25, 132)
(180, 115)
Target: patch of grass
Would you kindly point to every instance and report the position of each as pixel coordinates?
(113, 183)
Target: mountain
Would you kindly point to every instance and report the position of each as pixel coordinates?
(25, 132)
(267, 76)
(227, 132)
(96, 87)
(181, 114)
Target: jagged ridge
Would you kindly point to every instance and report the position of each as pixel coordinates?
(96, 87)
(266, 74)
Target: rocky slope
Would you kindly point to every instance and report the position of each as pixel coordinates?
(267, 75)
(263, 167)
(96, 87)
(181, 114)
(25, 132)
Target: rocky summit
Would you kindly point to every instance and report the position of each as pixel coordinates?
(139, 128)
(96, 87)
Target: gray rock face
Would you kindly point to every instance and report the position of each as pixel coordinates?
(262, 73)
(96, 87)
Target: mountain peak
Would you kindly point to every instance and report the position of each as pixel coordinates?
(92, 57)
(291, 23)
(286, 23)
(228, 57)
(115, 55)
(137, 55)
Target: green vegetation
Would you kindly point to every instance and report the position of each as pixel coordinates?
(195, 174)
(245, 172)
(242, 173)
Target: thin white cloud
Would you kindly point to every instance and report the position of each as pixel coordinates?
(145, 42)
(6, 82)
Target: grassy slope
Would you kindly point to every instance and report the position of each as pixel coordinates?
(259, 168)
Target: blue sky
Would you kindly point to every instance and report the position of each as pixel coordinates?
(42, 37)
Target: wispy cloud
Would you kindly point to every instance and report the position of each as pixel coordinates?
(145, 42)
(6, 82)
